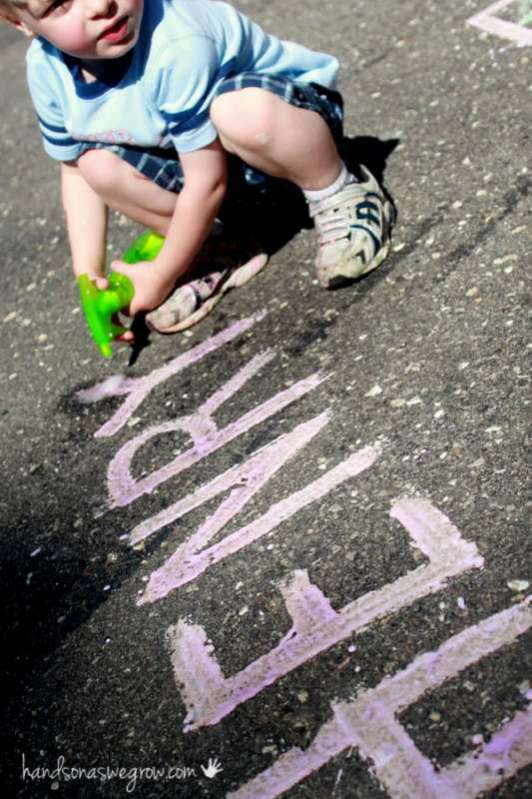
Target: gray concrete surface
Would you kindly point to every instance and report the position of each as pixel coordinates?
(427, 358)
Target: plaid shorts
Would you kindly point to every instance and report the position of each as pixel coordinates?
(162, 166)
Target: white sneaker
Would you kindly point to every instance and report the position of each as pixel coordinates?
(219, 267)
(354, 228)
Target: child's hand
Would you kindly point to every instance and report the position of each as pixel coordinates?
(99, 281)
(101, 284)
(151, 286)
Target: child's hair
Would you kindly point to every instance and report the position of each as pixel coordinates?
(9, 7)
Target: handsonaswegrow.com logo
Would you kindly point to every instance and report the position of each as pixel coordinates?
(131, 776)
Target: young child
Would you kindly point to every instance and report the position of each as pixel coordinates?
(141, 101)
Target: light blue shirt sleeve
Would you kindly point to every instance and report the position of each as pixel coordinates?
(56, 140)
(185, 83)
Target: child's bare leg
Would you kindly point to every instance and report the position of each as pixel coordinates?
(277, 138)
(353, 218)
(126, 190)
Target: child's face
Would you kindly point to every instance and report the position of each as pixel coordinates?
(86, 29)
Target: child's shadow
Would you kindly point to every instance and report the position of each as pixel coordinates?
(272, 214)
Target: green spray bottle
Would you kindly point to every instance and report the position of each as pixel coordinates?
(100, 305)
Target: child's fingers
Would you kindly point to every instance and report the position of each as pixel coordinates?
(128, 337)
(118, 266)
(116, 320)
(101, 283)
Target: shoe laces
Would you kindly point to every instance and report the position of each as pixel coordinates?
(332, 216)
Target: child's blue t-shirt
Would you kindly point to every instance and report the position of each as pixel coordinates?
(159, 94)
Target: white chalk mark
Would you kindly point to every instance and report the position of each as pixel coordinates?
(316, 626)
(488, 21)
(369, 723)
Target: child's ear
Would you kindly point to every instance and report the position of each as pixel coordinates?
(23, 28)
(18, 24)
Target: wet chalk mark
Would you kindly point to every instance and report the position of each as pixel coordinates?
(187, 563)
(137, 389)
(206, 436)
(369, 723)
(209, 696)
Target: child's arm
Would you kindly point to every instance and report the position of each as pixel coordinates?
(86, 220)
(196, 207)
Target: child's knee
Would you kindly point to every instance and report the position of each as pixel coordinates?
(100, 168)
(246, 118)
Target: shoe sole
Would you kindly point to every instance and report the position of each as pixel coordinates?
(238, 277)
(389, 218)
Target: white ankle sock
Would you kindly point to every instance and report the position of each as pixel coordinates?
(316, 195)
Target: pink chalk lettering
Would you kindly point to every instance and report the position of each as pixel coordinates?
(245, 480)
(488, 21)
(206, 437)
(184, 566)
(209, 696)
(138, 388)
(369, 723)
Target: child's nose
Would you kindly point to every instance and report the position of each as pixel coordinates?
(101, 8)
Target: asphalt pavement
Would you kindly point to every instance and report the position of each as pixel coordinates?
(288, 552)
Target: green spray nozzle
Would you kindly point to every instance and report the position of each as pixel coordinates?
(100, 305)
(145, 248)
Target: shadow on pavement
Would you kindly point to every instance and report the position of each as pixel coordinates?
(274, 212)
